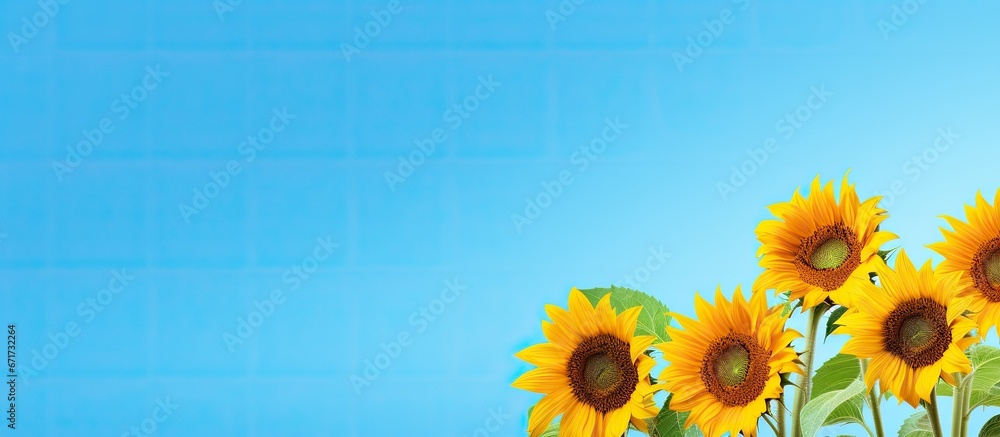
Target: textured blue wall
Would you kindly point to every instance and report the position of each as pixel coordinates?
(217, 214)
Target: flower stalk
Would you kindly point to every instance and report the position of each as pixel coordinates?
(875, 402)
(966, 398)
(781, 415)
(805, 389)
(932, 414)
(958, 407)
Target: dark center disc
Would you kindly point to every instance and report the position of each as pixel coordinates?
(735, 369)
(602, 374)
(986, 270)
(828, 257)
(917, 332)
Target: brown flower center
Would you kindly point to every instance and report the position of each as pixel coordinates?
(828, 257)
(602, 374)
(735, 369)
(986, 269)
(917, 332)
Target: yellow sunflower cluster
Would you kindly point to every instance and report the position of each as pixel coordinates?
(593, 371)
(725, 368)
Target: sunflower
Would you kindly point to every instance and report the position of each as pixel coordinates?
(973, 248)
(912, 328)
(818, 248)
(593, 371)
(727, 365)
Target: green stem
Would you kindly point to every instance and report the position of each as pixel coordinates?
(781, 415)
(966, 400)
(771, 424)
(932, 414)
(958, 407)
(805, 389)
(877, 413)
(868, 430)
(875, 402)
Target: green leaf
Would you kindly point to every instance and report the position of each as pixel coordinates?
(837, 375)
(787, 306)
(831, 323)
(918, 425)
(885, 254)
(670, 423)
(944, 389)
(985, 377)
(653, 319)
(835, 407)
(552, 430)
(991, 428)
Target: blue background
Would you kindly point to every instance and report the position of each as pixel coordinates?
(688, 130)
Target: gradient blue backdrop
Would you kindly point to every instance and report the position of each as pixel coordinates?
(656, 185)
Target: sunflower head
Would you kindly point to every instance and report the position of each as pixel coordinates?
(593, 371)
(973, 248)
(912, 327)
(817, 247)
(726, 365)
